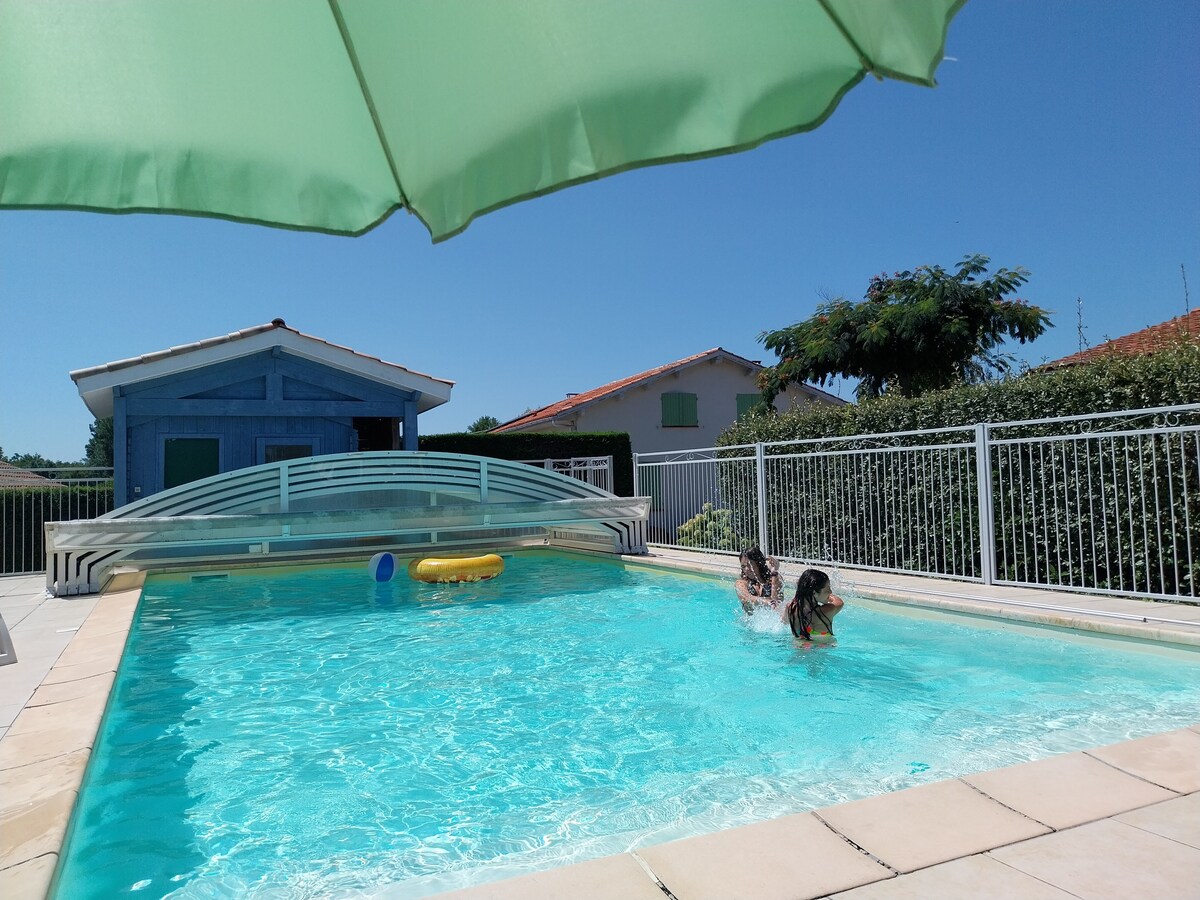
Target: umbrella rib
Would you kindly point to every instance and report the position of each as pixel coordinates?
(362, 86)
(866, 61)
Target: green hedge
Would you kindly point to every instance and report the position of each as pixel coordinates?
(23, 511)
(531, 445)
(1165, 378)
(1116, 495)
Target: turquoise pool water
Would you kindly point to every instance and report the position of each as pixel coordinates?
(314, 734)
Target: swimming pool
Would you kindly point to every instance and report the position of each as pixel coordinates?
(313, 733)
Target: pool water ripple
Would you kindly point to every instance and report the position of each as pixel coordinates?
(315, 734)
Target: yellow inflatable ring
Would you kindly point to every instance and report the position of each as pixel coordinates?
(435, 570)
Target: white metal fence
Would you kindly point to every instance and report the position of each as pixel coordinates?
(595, 470)
(1106, 503)
(31, 497)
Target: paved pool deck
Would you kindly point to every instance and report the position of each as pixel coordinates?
(1109, 822)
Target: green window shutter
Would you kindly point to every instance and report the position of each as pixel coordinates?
(679, 410)
(746, 402)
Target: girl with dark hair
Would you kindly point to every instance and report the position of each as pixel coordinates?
(810, 613)
(760, 583)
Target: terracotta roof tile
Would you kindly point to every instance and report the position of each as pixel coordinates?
(15, 476)
(1156, 337)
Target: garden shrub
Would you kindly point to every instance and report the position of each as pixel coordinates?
(1083, 537)
(711, 529)
(24, 510)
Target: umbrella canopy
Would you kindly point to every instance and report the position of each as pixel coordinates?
(329, 114)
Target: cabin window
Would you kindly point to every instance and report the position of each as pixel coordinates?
(679, 411)
(190, 459)
(278, 449)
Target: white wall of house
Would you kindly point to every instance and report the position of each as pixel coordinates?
(638, 409)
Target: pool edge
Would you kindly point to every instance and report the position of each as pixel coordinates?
(55, 735)
(45, 752)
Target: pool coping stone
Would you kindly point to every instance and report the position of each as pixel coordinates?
(63, 694)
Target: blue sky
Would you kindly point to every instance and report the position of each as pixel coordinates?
(1063, 137)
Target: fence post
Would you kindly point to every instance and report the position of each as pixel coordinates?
(983, 478)
(637, 481)
(284, 487)
(760, 471)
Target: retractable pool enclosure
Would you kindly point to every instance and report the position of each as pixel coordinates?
(343, 505)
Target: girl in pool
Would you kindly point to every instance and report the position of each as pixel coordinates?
(761, 583)
(810, 613)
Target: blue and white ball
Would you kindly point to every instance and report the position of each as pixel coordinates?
(382, 567)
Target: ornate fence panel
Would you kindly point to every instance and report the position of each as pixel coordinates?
(1107, 503)
(595, 470)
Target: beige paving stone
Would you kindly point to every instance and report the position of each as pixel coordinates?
(27, 784)
(975, 877)
(772, 860)
(102, 627)
(1067, 790)
(34, 829)
(1177, 819)
(610, 878)
(1171, 759)
(80, 714)
(28, 880)
(23, 749)
(61, 673)
(105, 649)
(930, 824)
(1108, 860)
(97, 685)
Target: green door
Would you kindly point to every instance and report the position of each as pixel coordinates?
(187, 459)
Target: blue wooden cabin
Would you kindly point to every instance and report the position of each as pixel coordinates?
(258, 395)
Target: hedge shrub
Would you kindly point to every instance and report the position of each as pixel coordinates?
(1086, 513)
(1165, 378)
(530, 445)
(24, 510)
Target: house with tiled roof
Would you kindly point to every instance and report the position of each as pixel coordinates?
(686, 403)
(15, 477)
(260, 395)
(1185, 328)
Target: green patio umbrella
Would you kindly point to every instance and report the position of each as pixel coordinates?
(329, 114)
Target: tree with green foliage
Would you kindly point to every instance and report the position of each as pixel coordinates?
(34, 461)
(914, 332)
(483, 423)
(99, 450)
